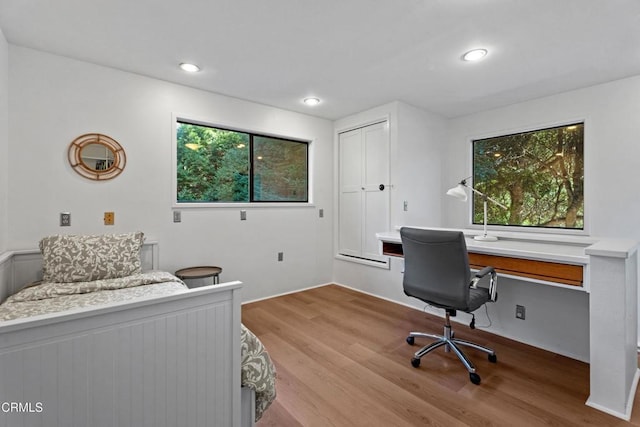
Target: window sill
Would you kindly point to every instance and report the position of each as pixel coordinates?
(385, 264)
(242, 205)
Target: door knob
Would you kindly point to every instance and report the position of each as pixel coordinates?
(381, 187)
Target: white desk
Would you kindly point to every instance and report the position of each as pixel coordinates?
(610, 270)
(563, 265)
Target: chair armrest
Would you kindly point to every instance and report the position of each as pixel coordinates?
(493, 281)
(480, 274)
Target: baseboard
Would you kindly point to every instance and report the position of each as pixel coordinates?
(287, 293)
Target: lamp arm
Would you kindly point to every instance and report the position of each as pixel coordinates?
(484, 196)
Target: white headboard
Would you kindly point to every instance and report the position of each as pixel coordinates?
(17, 268)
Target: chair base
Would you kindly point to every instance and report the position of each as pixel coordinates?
(450, 344)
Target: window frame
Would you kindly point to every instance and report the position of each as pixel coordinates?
(185, 118)
(507, 230)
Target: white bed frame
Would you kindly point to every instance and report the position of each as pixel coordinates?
(164, 361)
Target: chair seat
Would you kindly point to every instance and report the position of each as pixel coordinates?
(477, 297)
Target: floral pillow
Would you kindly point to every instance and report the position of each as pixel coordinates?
(68, 258)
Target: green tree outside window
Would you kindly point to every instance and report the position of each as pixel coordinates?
(539, 175)
(225, 166)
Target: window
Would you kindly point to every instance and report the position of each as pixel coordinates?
(538, 175)
(217, 165)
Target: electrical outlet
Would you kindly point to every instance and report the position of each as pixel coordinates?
(177, 216)
(65, 219)
(280, 256)
(109, 218)
(405, 206)
(321, 213)
(520, 312)
(243, 215)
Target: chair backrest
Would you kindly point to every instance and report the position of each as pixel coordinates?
(436, 267)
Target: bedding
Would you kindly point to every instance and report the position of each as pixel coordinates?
(49, 297)
(258, 372)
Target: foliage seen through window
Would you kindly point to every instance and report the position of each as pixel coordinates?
(225, 166)
(538, 175)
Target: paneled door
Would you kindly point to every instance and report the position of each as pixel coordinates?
(364, 190)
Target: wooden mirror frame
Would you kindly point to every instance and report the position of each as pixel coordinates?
(82, 168)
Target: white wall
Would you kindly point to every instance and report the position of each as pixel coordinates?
(54, 99)
(417, 169)
(4, 140)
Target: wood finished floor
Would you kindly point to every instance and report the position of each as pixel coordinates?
(342, 360)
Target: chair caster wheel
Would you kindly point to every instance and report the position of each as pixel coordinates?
(416, 362)
(475, 378)
(410, 340)
(493, 358)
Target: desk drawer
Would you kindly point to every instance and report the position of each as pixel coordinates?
(567, 274)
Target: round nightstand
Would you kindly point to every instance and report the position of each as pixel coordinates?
(200, 272)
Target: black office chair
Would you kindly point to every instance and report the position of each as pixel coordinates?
(436, 271)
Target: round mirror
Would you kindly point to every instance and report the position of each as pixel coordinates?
(96, 156)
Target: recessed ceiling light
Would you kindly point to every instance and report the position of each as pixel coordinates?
(474, 55)
(311, 101)
(191, 68)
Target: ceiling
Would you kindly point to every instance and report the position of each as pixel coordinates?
(352, 54)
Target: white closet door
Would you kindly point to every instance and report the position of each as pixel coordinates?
(376, 187)
(364, 190)
(350, 231)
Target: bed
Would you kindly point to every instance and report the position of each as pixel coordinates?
(99, 342)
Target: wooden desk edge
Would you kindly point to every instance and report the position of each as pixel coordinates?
(568, 274)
